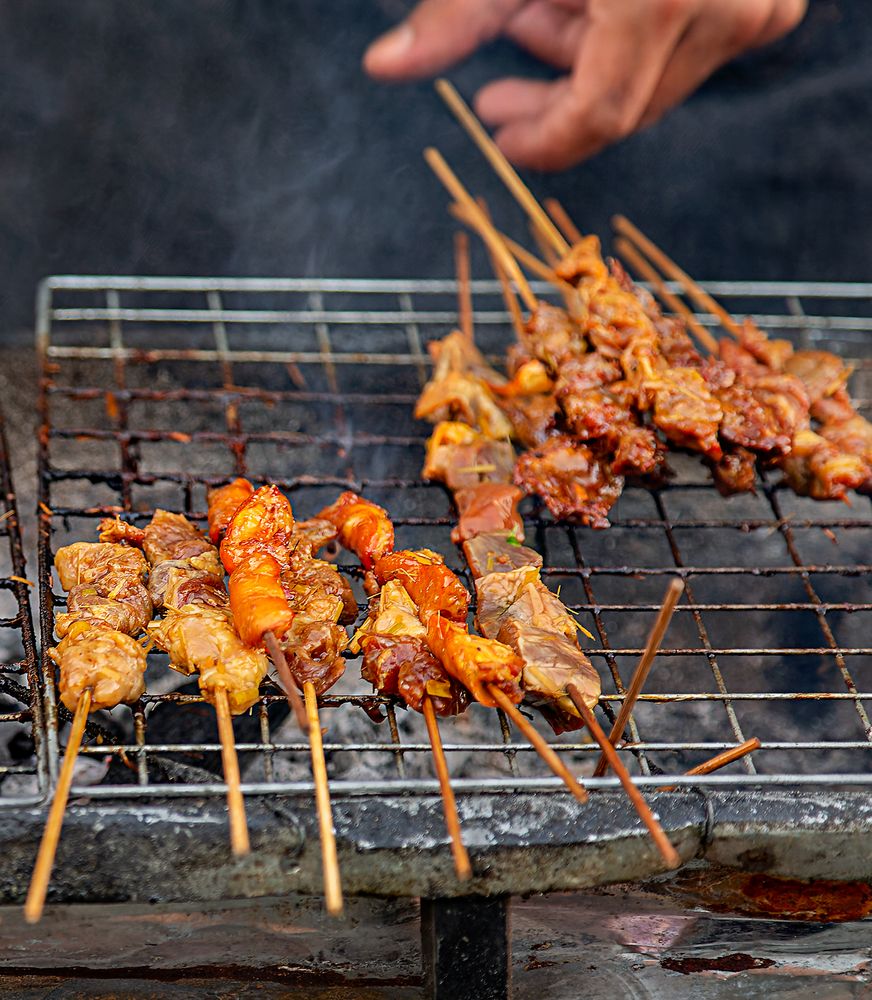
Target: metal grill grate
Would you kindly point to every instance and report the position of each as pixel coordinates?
(22, 764)
(156, 389)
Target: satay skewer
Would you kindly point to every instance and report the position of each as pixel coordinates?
(457, 191)
(501, 165)
(640, 675)
(658, 835)
(646, 271)
(464, 298)
(672, 270)
(462, 865)
(48, 846)
(292, 692)
(239, 841)
(329, 859)
(559, 214)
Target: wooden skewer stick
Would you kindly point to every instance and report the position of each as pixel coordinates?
(481, 222)
(720, 760)
(462, 865)
(329, 860)
(48, 846)
(239, 843)
(655, 638)
(292, 692)
(672, 270)
(464, 293)
(501, 165)
(539, 743)
(559, 214)
(645, 270)
(661, 841)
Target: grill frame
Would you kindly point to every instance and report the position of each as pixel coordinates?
(25, 668)
(114, 316)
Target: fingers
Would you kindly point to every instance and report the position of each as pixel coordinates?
(624, 50)
(716, 36)
(506, 100)
(436, 34)
(550, 31)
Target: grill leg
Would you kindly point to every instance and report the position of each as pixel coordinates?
(466, 948)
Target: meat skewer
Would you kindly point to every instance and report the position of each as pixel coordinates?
(720, 760)
(279, 587)
(186, 581)
(99, 662)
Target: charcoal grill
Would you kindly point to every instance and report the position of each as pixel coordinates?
(155, 389)
(23, 767)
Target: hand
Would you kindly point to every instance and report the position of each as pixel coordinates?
(627, 62)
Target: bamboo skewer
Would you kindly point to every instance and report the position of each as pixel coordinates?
(501, 165)
(292, 692)
(48, 846)
(661, 841)
(645, 270)
(720, 760)
(464, 295)
(462, 866)
(488, 233)
(329, 860)
(672, 270)
(655, 638)
(559, 214)
(239, 842)
(539, 743)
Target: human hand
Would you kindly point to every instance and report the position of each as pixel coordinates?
(627, 62)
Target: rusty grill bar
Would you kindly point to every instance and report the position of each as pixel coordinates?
(156, 388)
(23, 779)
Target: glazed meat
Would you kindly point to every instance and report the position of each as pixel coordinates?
(223, 504)
(748, 422)
(173, 536)
(819, 469)
(262, 524)
(258, 599)
(110, 662)
(533, 418)
(520, 595)
(488, 508)
(364, 527)
(98, 563)
(853, 436)
(774, 354)
(493, 552)
(459, 456)
(574, 483)
(427, 580)
(821, 372)
(735, 472)
(199, 580)
(639, 452)
(552, 336)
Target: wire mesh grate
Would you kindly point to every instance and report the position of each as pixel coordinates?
(156, 389)
(22, 757)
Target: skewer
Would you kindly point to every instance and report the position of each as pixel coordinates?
(462, 865)
(720, 760)
(643, 268)
(481, 222)
(539, 743)
(672, 270)
(329, 861)
(655, 637)
(509, 297)
(501, 165)
(48, 846)
(292, 692)
(559, 214)
(239, 843)
(464, 295)
(661, 841)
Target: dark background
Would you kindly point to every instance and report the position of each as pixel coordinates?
(222, 137)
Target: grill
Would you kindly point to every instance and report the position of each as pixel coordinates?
(155, 389)
(23, 776)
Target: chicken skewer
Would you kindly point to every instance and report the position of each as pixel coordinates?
(100, 664)
(486, 667)
(276, 585)
(186, 582)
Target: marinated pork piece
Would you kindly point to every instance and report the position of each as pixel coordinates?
(427, 580)
(223, 502)
(819, 469)
(774, 354)
(364, 527)
(639, 452)
(497, 552)
(552, 336)
(258, 599)
(109, 662)
(735, 472)
(488, 507)
(520, 595)
(533, 418)
(459, 456)
(95, 562)
(821, 372)
(173, 536)
(835, 409)
(749, 423)
(199, 580)
(853, 436)
(574, 483)
(262, 524)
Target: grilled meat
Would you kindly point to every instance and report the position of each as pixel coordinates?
(819, 469)
(262, 524)
(459, 456)
(363, 527)
(223, 502)
(735, 472)
(488, 507)
(106, 660)
(497, 552)
(427, 580)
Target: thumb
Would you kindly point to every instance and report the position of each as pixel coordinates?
(435, 35)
